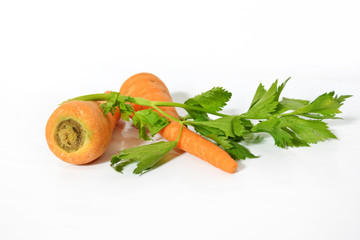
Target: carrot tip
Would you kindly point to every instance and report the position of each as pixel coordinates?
(231, 168)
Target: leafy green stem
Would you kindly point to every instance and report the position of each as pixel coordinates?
(144, 102)
(181, 130)
(90, 97)
(187, 107)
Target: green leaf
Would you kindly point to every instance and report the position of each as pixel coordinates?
(285, 137)
(211, 101)
(230, 126)
(287, 104)
(264, 103)
(260, 91)
(125, 110)
(310, 131)
(281, 88)
(293, 131)
(146, 156)
(266, 126)
(238, 151)
(150, 120)
(326, 105)
(111, 104)
(214, 99)
(117, 102)
(196, 115)
(282, 136)
(226, 132)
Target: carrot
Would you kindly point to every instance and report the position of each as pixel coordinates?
(77, 132)
(150, 87)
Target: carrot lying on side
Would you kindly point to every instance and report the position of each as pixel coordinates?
(150, 87)
(77, 132)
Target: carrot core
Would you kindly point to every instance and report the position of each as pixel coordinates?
(69, 135)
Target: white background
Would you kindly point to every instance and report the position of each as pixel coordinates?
(54, 50)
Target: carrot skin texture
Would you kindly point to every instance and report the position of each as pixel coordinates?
(150, 87)
(96, 128)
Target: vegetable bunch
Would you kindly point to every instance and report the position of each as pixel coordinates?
(217, 137)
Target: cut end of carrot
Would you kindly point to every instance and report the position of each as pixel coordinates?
(69, 135)
(77, 132)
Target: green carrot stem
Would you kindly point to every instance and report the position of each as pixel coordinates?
(143, 102)
(90, 97)
(184, 106)
(182, 127)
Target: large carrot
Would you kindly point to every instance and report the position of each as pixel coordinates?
(150, 87)
(77, 132)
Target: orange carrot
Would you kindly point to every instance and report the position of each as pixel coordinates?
(150, 87)
(77, 132)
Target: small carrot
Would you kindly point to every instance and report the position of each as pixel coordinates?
(150, 87)
(77, 132)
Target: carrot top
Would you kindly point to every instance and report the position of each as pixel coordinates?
(291, 122)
